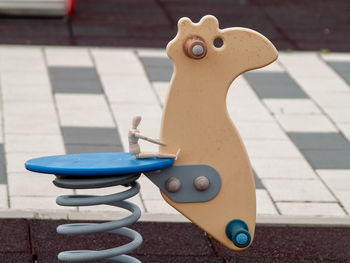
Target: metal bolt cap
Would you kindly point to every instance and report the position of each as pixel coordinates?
(197, 50)
(173, 185)
(201, 183)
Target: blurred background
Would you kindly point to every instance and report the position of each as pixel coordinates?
(294, 25)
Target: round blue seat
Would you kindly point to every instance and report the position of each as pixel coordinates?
(96, 164)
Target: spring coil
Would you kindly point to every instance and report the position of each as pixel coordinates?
(115, 227)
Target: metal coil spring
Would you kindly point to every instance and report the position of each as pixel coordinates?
(115, 227)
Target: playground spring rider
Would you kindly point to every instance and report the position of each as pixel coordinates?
(208, 177)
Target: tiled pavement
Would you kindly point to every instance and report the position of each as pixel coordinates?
(293, 116)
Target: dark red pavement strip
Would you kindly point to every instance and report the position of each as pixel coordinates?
(315, 244)
(160, 239)
(298, 24)
(146, 259)
(14, 236)
(16, 258)
(177, 242)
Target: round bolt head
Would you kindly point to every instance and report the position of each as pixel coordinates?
(242, 238)
(201, 183)
(197, 50)
(173, 185)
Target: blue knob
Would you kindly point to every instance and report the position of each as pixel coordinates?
(237, 231)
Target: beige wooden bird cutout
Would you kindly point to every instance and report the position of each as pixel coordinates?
(195, 119)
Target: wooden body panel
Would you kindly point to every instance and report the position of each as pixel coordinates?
(195, 119)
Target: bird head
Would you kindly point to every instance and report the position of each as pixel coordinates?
(194, 48)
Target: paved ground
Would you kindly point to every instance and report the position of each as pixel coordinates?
(294, 117)
(35, 241)
(296, 25)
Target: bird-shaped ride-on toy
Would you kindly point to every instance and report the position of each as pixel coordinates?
(210, 179)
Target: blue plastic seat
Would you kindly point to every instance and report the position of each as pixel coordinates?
(96, 164)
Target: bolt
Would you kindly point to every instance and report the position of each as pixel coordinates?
(197, 50)
(201, 183)
(173, 185)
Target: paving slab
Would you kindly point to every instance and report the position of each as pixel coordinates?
(342, 68)
(274, 85)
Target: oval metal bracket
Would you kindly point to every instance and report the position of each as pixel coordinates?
(187, 174)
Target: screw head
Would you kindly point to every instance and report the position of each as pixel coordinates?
(173, 185)
(198, 50)
(201, 183)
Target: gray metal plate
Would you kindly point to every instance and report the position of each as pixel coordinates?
(186, 174)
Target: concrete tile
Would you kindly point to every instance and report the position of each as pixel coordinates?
(159, 207)
(86, 148)
(338, 182)
(77, 86)
(305, 123)
(254, 113)
(68, 57)
(29, 108)
(34, 184)
(274, 85)
(271, 149)
(128, 89)
(72, 73)
(291, 106)
(90, 135)
(298, 190)
(319, 141)
(3, 196)
(280, 168)
(336, 57)
(156, 62)
(10, 51)
(340, 99)
(345, 129)
(328, 159)
(116, 61)
(310, 209)
(241, 94)
(26, 79)
(159, 73)
(75, 80)
(264, 204)
(37, 203)
(15, 161)
(338, 114)
(257, 182)
(35, 125)
(3, 176)
(149, 191)
(30, 117)
(158, 68)
(88, 110)
(33, 143)
(38, 93)
(318, 84)
(342, 68)
(151, 52)
(260, 130)
(23, 64)
(274, 67)
(161, 88)
(312, 65)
